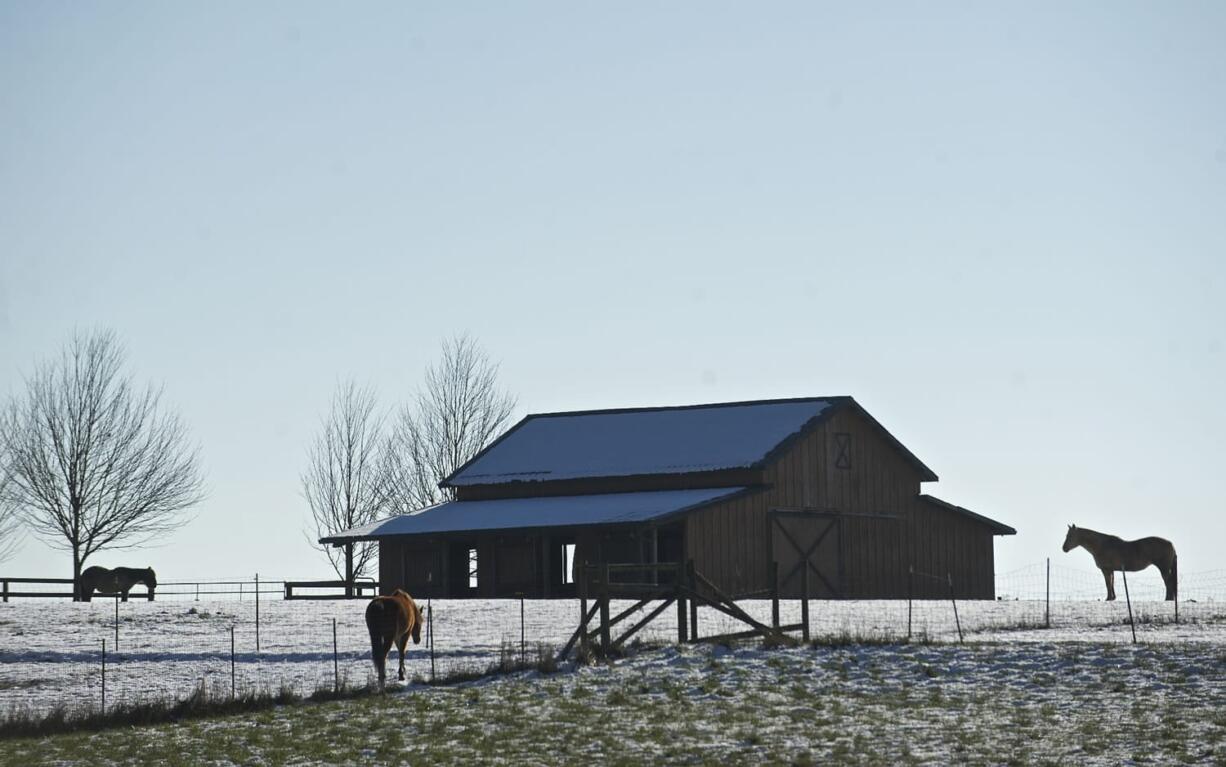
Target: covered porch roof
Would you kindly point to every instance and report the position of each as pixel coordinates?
(528, 513)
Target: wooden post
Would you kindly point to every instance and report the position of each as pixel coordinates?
(6, 592)
(683, 631)
(689, 574)
(583, 573)
(605, 639)
(257, 612)
(1128, 599)
(233, 682)
(430, 635)
(910, 582)
(950, 578)
(104, 676)
(804, 599)
(775, 595)
(523, 653)
(348, 570)
(1047, 609)
(116, 623)
(336, 667)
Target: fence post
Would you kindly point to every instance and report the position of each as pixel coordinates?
(336, 666)
(1128, 599)
(804, 599)
(523, 655)
(954, 602)
(430, 635)
(233, 683)
(775, 595)
(104, 676)
(1047, 609)
(116, 624)
(683, 631)
(6, 592)
(257, 612)
(197, 592)
(910, 585)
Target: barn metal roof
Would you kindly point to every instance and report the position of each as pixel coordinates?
(619, 443)
(998, 528)
(519, 513)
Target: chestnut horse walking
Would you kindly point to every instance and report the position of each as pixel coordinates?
(390, 620)
(1111, 553)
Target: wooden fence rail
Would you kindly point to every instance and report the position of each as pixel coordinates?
(8, 592)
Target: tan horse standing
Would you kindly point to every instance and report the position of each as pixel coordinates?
(390, 620)
(119, 580)
(1111, 553)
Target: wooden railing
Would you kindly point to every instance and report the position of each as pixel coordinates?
(358, 588)
(8, 592)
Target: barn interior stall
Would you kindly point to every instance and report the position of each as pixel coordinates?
(808, 493)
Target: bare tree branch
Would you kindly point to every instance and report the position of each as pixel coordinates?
(11, 532)
(342, 481)
(92, 461)
(458, 412)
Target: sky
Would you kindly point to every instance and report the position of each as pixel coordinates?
(1001, 228)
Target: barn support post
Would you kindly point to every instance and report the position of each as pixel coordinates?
(583, 615)
(682, 630)
(950, 578)
(1128, 599)
(693, 581)
(605, 639)
(775, 595)
(804, 600)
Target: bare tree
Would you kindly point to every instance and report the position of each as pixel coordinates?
(10, 521)
(458, 412)
(92, 461)
(342, 481)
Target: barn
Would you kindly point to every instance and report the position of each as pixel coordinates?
(808, 493)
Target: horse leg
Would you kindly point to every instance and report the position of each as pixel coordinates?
(401, 641)
(124, 598)
(1109, 577)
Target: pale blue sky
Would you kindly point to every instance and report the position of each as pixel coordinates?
(1002, 229)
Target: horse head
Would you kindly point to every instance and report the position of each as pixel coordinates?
(419, 619)
(1070, 540)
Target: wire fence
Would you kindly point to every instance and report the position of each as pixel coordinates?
(228, 643)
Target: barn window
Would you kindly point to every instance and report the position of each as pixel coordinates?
(568, 564)
(842, 451)
(472, 568)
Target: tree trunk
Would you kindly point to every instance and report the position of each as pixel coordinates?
(76, 573)
(349, 569)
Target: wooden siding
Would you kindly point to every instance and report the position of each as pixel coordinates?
(886, 528)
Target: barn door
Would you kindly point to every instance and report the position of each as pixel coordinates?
(812, 540)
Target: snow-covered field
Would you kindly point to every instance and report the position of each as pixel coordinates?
(51, 651)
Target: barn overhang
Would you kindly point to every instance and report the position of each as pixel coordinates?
(997, 528)
(506, 514)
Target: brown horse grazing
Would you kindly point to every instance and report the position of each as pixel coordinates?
(1111, 553)
(119, 580)
(390, 619)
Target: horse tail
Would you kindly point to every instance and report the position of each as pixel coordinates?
(380, 644)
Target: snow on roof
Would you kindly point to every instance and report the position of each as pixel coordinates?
(556, 511)
(619, 443)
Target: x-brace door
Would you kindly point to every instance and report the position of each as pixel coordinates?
(812, 541)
